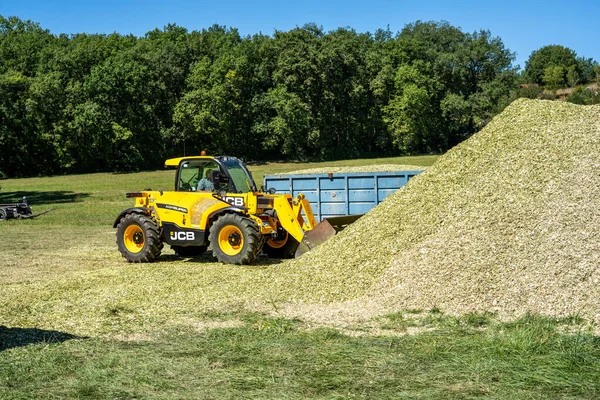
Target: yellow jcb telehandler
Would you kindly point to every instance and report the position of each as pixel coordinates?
(216, 203)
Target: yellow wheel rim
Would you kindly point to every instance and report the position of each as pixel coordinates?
(134, 239)
(277, 244)
(231, 240)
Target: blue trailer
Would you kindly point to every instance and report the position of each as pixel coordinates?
(336, 195)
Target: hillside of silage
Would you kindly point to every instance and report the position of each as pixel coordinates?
(509, 220)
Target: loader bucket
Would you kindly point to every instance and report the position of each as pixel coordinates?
(339, 223)
(319, 234)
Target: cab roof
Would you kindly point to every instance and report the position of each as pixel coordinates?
(174, 162)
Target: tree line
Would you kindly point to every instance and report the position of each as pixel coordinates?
(555, 67)
(95, 102)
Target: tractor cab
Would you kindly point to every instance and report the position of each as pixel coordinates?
(203, 173)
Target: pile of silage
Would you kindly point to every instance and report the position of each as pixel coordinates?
(507, 221)
(363, 168)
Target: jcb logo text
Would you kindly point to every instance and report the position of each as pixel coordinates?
(183, 236)
(235, 201)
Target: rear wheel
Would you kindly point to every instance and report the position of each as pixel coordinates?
(235, 239)
(2, 214)
(189, 251)
(284, 246)
(138, 238)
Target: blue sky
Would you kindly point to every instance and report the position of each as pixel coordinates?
(524, 26)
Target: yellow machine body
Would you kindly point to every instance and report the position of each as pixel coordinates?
(194, 211)
(184, 217)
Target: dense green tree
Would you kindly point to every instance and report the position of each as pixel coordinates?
(549, 56)
(572, 76)
(597, 73)
(84, 103)
(286, 127)
(554, 77)
(447, 86)
(21, 45)
(24, 141)
(211, 113)
(585, 69)
(412, 114)
(26, 149)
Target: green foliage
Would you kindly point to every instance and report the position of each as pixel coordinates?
(409, 113)
(572, 76)
(22, 44)
(288, 130)
(584, 96)
(529, 92)
(448, 84)
(84, 103)
(539, 61)
(554, 77)
(585, 69)
(575, 69)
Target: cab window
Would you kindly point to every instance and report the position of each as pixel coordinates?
(242, 181)
(196, 175)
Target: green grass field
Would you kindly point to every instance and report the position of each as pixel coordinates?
(78, 321)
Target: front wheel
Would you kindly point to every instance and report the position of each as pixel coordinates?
(284, 246)
(235, 239)
(138, 238)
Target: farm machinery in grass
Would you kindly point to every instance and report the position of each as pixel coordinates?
(216, 202)
(20, 210)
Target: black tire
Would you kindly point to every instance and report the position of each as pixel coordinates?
(235, 239)
(2, 214)
(138, 238)
(282, 248)
(189, 251)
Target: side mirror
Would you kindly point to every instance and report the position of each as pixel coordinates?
(272, 190)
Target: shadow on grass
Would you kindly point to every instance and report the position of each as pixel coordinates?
(208, 258)
(19, 337)
(40, 198)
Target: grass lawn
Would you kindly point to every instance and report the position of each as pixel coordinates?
(77, 321)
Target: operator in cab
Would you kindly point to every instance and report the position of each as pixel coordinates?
(205, 184)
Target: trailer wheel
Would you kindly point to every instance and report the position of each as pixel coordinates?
(138, 238)
(235, 239)
(2, 214)
(282, 248)
(189, 251)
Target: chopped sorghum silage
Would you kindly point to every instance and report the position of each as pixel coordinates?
(507, 221)
(364, 168)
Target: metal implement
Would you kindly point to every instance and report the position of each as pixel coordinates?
(21, 210)
(319, 234)
(340, 223)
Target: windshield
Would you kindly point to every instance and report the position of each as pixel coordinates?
(241, 177)
(195, 175)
